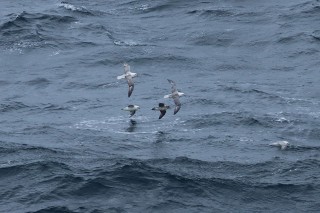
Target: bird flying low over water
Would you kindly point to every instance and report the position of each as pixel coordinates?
(131, 108)
(173, 90)
(126, 72)
(162, 108)
(281, 144)
(128, 75)
(175, 94)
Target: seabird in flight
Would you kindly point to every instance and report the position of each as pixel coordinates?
(131, 108)
(162, 108)
(175, 95)
(128, 75)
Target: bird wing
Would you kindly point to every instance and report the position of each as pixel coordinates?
(130, 84)
(176, 100)
(176, 109)
(173, 85)
(130, 90)
(126, 68)
(177, 103)
(162, 113)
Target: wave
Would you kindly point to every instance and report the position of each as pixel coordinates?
(219, 39)
(306, 9)
(234, 119)
(149, 7)
(29, 168)
(219, 12)
(39, 82)
(293, 38)
(10, 148)
(82, 10)
(129, 43)
(258, 92)
(177, 179)
(12, 106)
(54, 209)
(308, 132)
(73, 8)
(93, 86)
(32, 30)
(24, 19)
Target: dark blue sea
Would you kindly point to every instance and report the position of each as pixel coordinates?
(251, 78)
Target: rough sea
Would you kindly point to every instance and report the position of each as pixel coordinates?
(250, 74)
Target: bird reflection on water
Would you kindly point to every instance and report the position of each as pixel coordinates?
(132, 126)
(161, 137)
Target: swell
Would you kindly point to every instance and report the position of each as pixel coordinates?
(13, 106)
(144, 7)
(218, 12)
(75, 9)
(257, 92)
(33, 30)
(233, 119)
(217, 39)
(26, 169)
(152, 59)
(301, 11)
(25, 19)
(172, 181)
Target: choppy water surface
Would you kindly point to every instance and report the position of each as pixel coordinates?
(250, 72)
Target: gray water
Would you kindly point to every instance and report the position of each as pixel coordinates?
(250, 74)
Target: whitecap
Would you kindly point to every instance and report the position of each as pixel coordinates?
(282, 120)
(127, 43)
(55, 53)
(68, 6)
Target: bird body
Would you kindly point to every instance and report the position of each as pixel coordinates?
(131, 108)
(175, 94)
(162, 108)
(128, 75)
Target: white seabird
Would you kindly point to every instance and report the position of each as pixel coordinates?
(282, 144)
(175, 95)
(131, 108)
(126, 72)
(162, 108)
(128, 75)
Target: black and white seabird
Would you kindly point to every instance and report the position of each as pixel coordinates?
(128, 75)
(175, 96)
(162, 108)
(131, 108)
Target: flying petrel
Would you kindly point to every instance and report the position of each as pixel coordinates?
(126, 71)
(281, 144)
(175, 96)
(162, 108)
(128, 75)
(131, 108)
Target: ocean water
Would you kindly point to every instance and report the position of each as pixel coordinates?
(250, 74)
